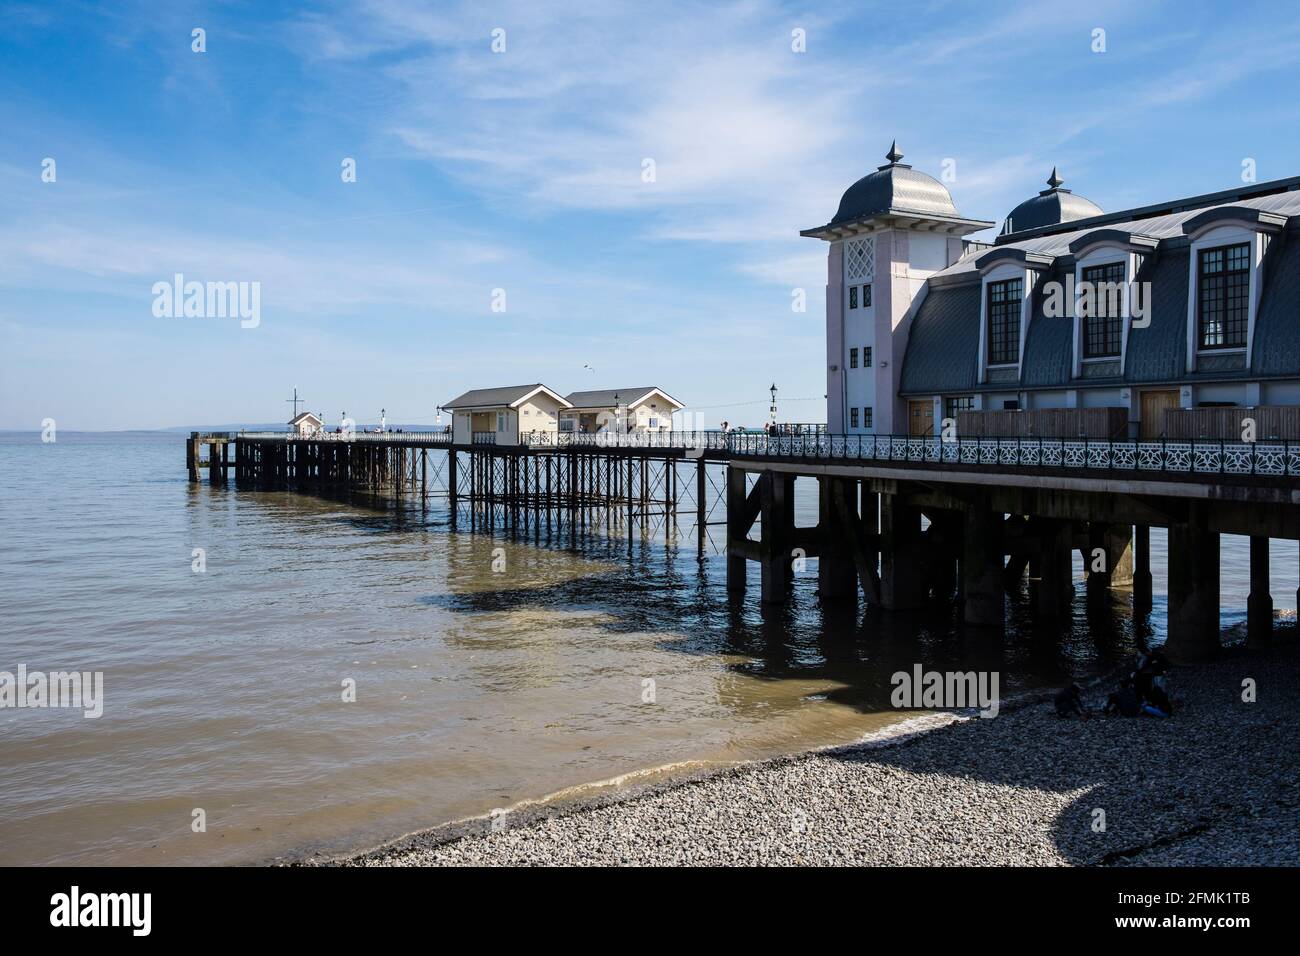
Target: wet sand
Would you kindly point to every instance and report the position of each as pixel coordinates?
(1214, 785)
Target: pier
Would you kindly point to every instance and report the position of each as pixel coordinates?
(995, 510)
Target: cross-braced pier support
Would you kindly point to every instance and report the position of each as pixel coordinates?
(906, 537)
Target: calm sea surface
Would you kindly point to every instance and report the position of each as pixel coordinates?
(475, 690)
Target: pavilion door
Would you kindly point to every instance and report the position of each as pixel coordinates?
(920, 419)
(1154, 404)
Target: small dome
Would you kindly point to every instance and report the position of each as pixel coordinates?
(1050, 207)
(895, 187)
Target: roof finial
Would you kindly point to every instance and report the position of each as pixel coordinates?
(894, 154)
(1054, 180)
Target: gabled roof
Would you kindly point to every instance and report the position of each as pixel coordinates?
(610, 397)
(508, 396)
(303, 416)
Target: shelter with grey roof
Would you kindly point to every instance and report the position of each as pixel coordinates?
(505, 413)
(636, 410)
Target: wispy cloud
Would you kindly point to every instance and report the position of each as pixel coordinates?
(525, 170)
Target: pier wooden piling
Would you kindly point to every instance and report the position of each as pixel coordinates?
(904, 523)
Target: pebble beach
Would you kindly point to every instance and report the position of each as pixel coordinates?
(1217, 784)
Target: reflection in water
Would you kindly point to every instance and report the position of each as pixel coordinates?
(476, 688)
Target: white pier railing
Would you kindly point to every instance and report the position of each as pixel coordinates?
(1266, 458)
(436, 438)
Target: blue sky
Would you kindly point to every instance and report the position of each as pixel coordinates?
(522, 171)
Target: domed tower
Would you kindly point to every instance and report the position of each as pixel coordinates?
(894, 228)
(1050, 207)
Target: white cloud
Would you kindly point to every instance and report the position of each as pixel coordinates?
(736, 123)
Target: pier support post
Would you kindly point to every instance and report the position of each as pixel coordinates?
(631, 502)
(941, 549)
(869, 508)
(777, 511)
(1142, 568)
(900, 554)
(701, 512)
(982, 568)
(737, 528)
(1052, 587)
(1119, 545)
(1018, 559)
(836, 576)
(1259, 605)
(1193, 588)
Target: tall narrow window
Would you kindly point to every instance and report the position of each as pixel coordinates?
(1004, 321)
(853, 417)
(1223, 296)
(866, 356)
(866, 296)
(1103, 326)
(866, 417)
(853, 358)
(853, 297)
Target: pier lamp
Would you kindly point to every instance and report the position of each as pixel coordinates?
(772, 409)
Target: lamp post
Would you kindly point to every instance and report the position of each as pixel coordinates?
(618, 416)
(772, 408)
